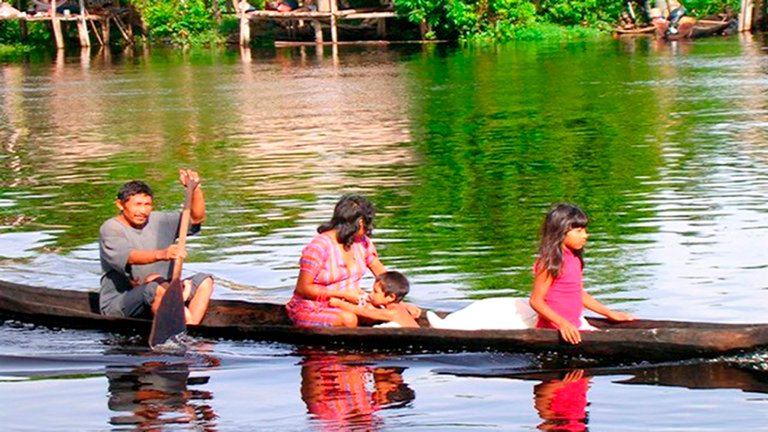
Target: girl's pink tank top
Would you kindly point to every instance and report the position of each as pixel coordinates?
(564, 296)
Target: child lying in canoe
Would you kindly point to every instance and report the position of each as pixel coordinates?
(385, 302)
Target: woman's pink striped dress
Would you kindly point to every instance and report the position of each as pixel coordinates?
(322, 259)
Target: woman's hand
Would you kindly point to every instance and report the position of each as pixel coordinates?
(353, 296)
(334, 302)
(620, 316)
(570, 333)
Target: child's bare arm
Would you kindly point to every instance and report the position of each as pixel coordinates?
(595, 306)
(364, 312)
(413, 310)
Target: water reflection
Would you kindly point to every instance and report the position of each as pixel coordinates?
(562, 402)
(156, 394)
(343, 394)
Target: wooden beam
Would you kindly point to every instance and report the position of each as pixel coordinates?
(82, 27)
(105, 30)
(318, 31)
(58, 36)
(745, 16)
(96, 32)
(334, 27)
(245, 30)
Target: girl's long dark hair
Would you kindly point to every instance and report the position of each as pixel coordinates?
(350, 209)
(560, 219)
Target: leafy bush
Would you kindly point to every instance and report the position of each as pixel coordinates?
(702, 8)
(499, 20)
(183, 22)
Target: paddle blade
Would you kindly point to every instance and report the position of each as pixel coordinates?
(169, 319)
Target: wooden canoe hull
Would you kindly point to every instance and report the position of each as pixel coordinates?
(689, 29)
(639, 340)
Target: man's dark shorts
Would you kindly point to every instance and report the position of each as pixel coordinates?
(138, 301)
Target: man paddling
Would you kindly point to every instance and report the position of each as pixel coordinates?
(137, 253)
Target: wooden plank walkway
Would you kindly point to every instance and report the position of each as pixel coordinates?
(317, 18)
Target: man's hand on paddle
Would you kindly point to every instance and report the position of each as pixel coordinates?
(174, 251)
(197, 209)
(185, 174)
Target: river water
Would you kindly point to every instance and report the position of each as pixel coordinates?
(462, 150)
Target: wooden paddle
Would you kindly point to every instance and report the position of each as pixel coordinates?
(169, 319)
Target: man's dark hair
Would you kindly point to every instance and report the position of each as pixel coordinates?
(396, 283)
(133, 187)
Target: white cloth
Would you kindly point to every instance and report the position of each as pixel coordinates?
(388, 324)
(499, 313)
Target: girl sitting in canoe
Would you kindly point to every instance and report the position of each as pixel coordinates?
(333, 264)
(558, 295)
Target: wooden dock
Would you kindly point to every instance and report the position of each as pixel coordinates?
(83, 19)
(328, 14)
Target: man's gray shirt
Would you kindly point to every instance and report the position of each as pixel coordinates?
(117, 240)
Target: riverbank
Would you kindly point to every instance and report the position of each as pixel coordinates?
(196, 23)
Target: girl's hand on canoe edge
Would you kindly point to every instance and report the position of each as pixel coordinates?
(570, 333)
(620, 316)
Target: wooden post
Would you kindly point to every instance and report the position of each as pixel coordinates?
(56, 24)
(318, 31)
(745, 16)
(424, 28)
(245, 30)
(334, 29)
(105, 30)
(758, 15)
(216, 11)
(22, 23)
(82, 27)
(129, 29)
(96, 32)
(23, 29)
(381, 28)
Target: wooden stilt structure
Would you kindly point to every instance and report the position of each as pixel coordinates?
(82, 27)
(745, 16)
(83, 20)
(57, 34)
(328, 12)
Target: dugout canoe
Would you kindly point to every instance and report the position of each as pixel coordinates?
(641, 340)
(693, 29)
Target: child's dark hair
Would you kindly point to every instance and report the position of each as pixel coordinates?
(350, 209)
(560, 219)
(134, 187)
(396, 283)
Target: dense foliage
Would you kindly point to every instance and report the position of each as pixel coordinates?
(192, 22)
(183, 22)
(526, 19)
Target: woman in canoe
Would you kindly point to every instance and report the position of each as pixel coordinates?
(333, 264)
(558, 296)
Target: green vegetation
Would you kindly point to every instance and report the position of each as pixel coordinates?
(501, 20)
(195, 22)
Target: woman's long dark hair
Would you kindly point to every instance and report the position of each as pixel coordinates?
(560, 219)
(350, 209)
